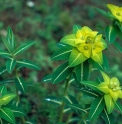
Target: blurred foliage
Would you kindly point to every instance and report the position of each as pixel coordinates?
(46, 22)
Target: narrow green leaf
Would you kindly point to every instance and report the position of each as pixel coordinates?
(47, 78)
(7, 81)
(72, 80)
(76, 58)
(3, 90)
(10, 38)
(96, 108)
(91, 84)
(119, 25)
(119, 31)
(28, 64)
(85, 70)
(82, 71)
(23, 47)
(76, 28)
(89, 92)
(70, 99)
(5, 54)
(110, 16)
(111, 33)
(77, 107)
(118, 46)
(21, 84)
(106, 117)
(54, 100)
(106, 63)
(7, 45)
(60, 45)
(79, 72)
(7, 98)
(62, 54)
(17, 111)
(10, 64)
(96, 66)
(118, 106)
(76, 80)
(67, 110)
(104, 13)
(7, 114)
(2, 70)
(61, 73)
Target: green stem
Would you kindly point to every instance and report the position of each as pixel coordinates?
(22, 120)
(63, 103)
(61, 112)
(18, 98)
(18, 101)
(70, 115)
(78, 97)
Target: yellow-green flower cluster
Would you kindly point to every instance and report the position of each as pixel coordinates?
(116, 11)
(86, 44)
(111, 88)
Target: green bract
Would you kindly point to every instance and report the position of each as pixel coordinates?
(86, 44)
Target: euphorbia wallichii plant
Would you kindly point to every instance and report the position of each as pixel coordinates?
(10, 108)
(83, 51)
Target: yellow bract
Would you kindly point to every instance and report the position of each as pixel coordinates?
(90, 44)
(86, 44)
(111, 88)
(116, 11)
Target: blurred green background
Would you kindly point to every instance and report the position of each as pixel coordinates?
(46, 22)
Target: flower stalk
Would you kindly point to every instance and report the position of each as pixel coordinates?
(78, 98)
(63, 103)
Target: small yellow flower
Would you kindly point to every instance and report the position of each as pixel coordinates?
(87, 44)
(85, 34)
(116, 11)
(111, 88)
(92, 48)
